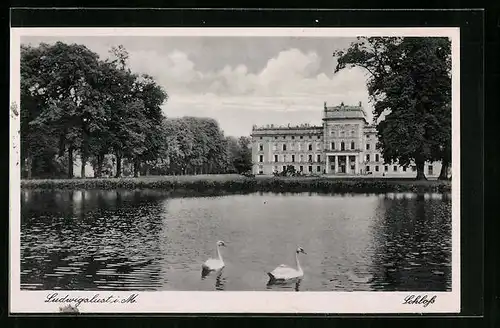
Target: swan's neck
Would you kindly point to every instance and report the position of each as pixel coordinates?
(219, 254)
(299, 268)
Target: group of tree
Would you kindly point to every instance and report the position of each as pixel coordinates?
(410, 86)
(75, 104)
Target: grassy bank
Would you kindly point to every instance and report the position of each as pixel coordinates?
(237, 183)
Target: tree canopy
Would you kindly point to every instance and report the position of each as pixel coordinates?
(410, 86)
(75, 104)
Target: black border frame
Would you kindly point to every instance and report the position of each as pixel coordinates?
(472, 33)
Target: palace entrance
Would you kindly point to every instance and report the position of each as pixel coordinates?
(341, 164)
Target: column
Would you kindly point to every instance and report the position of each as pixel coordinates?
(336, 164)
(356, 164)
(347, 164)
(327, 164)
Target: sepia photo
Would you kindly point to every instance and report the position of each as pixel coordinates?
(235, 170)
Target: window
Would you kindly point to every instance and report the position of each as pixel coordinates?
(431, 170)
(275, 138)
(413, 168)
(404, 168)
(367, 146)
(284, 158)
(301, 158)
(318, 146)
(352, 145)
(319, 137)
(293, 137)
(386, 168)
(376, 158)
(318, 168)
(261, 147)
(367, 157)
(284, 137)
(275, 169)
(284, 168)
(301, 168)
(395, 168)
(376, 168)
(310, 147)
(310, 168)
(318, 157)
(301, 137)
(261, 158)
(367, 168)
(342, 146)
(293, 158)
(310, 137)
(276, 158)
(333, 145)
(284, 147)
(260, 138)
(310, 158)
(352, 133)
(260, 169)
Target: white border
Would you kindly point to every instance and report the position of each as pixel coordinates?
(235, 302)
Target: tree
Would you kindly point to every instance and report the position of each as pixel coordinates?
(153, 97)
(410, 86)
(62, 80)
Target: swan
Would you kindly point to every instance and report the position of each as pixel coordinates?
(285, 273)
(213, 264)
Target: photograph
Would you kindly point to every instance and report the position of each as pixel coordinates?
(309, 169)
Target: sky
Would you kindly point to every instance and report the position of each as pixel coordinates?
(239, 81)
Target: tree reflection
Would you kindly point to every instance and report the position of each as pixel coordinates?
(69, 240)
(411, 241)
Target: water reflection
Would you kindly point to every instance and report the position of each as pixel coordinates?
(293, 284)
(413, 244)
(152, 240)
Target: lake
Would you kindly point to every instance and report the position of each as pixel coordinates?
(152, 240)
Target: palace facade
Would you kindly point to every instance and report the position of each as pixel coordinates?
(345, 145)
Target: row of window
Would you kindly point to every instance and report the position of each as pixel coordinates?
(342, 146)
(333, 146)
(377, 157)
(342, 133)
(284, 147)
(301, 168)
(292, 158)
(293, 137)
(430, 169)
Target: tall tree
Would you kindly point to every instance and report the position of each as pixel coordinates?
(66, 78)
(410, 86)
(153, 96)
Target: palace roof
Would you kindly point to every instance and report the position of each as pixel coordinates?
(344, 112)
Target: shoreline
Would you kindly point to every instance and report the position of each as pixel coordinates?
(239, 183)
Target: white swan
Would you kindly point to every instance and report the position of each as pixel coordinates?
(214, 264)
(285, 273)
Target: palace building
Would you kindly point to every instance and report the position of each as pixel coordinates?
(345, 145)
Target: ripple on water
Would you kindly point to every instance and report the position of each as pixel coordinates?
(150, 242)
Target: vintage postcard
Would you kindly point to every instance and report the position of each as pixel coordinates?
(235, 170)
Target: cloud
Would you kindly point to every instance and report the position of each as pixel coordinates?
(289, 81)
(291, 86)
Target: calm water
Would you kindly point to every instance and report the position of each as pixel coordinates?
(148, 240)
